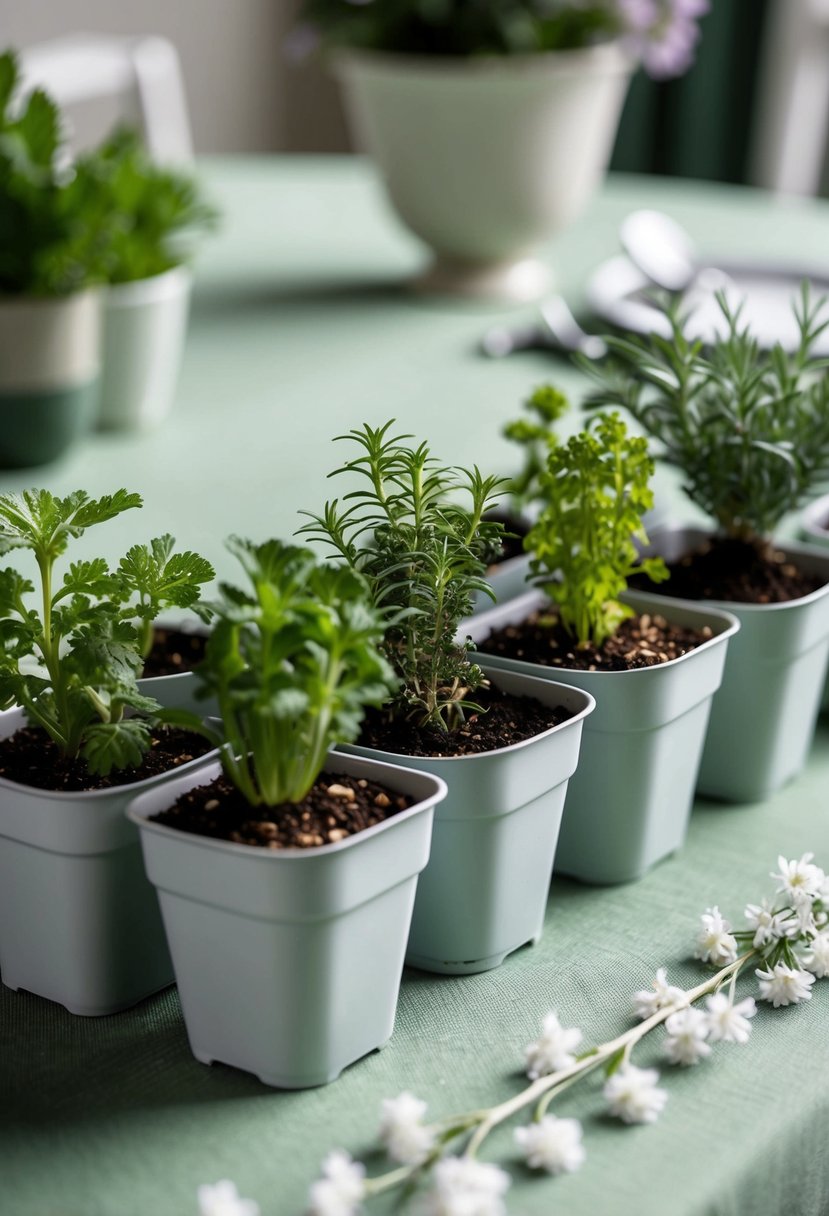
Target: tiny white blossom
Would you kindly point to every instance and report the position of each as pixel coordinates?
(553, 1050)
(784, 985)
(466, 1187)
(770, 926)
(340, 1190)
(402, 1131)
(715, 943)
(727, 1022)
(632, 1095)
(223, 1199)
(552, 1144)
(649, 1001)
(687, 1031)
(800, 879)
(816, 958)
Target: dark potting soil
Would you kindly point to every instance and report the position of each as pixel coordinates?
(30, 757)
(505, 719)
(735, 571)
(336, 807)
(174, 652)
(640, 641)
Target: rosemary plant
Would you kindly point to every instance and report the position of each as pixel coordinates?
(749, 429)
(424, 553)
(595, 492)
(537, 437)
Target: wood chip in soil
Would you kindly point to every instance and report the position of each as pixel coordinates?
(736, 572)
(30, 757)
(173, 651)
(505, 720)
(337, 806)
(640, 641)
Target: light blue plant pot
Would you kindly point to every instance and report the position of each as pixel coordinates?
(764, 715)
(288, 961)
(484, 891)
(630, 799)
(815, 531)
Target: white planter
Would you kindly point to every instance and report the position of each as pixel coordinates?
(145, 325)
(288, 961)
(484, 891)
(79, 923)
(630, 799)
(49, 365)
(486, 158)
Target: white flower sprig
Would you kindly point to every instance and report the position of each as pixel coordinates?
(787, 941)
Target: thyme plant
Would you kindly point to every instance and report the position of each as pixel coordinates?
(424, 551)
(72, 658)
(536, 435)
(749, 429)
(595, 491)
(293, 660)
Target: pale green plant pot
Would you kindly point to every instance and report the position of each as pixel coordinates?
(629, 802)
(79, 923)
(815, 530)
(764, 715)
(484, 892)
(289, 961)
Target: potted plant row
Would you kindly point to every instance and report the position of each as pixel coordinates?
(652, 669)
(749, 430)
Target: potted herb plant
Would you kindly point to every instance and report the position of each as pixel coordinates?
(491, 123)
(78, 921)
(159, 215)
(286, 875)
(505, 744)
(749, 430)
(53, 234)
(652, 669)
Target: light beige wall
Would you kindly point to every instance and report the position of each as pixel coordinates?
(244, 96)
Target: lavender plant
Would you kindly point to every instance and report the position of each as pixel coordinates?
(424, 553)
(749, 429)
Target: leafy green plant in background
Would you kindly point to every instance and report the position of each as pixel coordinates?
(54, 221)
(537, 437)
(424, 553)
(158, 212)
(293, 661)
(595, 492)
(72, 660)
(749, 429)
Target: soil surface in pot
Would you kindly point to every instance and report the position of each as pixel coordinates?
(640, 641)
(174, 652)
(29, 757)
(504, 720)
(336, 807)
(734, 571)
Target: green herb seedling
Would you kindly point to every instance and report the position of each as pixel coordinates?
(72, 660)
(424, 553)
(749, 429)
(595, 492)
(293, 661)
(537, 436)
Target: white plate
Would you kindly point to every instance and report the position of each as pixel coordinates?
(618, 293)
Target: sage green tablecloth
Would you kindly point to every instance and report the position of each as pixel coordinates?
(299, 332)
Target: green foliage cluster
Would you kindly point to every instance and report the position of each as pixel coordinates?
(464, 27)
(71, 660)
(537, 437)
(595, 492)
(424, 553)
(293, 661)
(749, 429)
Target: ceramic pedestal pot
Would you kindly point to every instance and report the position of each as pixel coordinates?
(288, 961)
(815, 530)
(79, 923)
(49, 364)
(486, 158)
(630, 799)
(484, 891)
(145, 324)
(763, 717)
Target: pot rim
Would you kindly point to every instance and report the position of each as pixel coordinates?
(610, 55)
(815, 519)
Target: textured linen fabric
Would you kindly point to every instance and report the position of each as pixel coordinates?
(298, 318)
